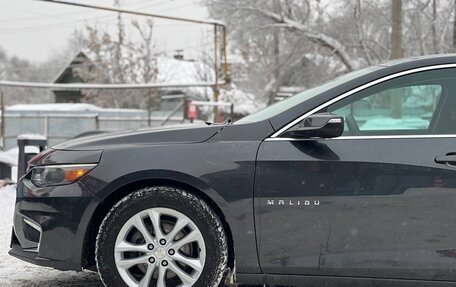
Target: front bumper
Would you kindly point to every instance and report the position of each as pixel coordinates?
(50, 224)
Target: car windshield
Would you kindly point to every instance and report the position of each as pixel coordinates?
(284, 105)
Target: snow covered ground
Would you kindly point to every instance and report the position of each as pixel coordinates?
(14, 272)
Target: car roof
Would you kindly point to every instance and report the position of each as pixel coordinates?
(390, 67)
(429, 59)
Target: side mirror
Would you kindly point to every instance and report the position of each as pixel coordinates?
(324, 125)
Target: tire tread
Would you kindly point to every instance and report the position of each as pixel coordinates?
(180, 194)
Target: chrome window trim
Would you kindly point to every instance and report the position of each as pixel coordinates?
(358, 89)
(368, 137)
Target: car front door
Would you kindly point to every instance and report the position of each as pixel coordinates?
(379, 201)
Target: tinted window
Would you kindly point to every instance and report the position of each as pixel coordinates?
(410, 104)
(284, 105)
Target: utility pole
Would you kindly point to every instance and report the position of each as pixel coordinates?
(396, 31)
(216, 87)
(396, 52)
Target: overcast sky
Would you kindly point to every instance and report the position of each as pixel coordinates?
(34, 29)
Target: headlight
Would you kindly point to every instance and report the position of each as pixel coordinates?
(59, 174)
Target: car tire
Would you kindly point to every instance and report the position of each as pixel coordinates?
(122, 240)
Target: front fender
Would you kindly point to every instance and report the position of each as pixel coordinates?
(223, 172)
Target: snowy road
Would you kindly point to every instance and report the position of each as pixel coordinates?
(14, 272)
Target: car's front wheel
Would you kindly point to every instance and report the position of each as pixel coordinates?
(161, 236)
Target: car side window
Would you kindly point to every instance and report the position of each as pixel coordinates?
(403, 106)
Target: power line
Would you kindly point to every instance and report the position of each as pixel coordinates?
(140, 13)
(64, 25)
(104, 19)
(46, 26)
(41, 16)
(31, 28)
(38, 14)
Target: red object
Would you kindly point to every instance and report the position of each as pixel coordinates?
(192, 112)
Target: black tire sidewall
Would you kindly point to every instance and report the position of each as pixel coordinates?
(167, 197)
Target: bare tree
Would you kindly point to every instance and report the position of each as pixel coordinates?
(276, 53)
(279, 36)
(454, 27)
(360, 33)
(282, 42)
(435, 40)
(135, 63)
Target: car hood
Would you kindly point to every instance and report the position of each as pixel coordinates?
(188, 133)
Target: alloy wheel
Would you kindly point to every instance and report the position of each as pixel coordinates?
(160, 247)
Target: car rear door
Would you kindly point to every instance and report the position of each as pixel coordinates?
(379, 201)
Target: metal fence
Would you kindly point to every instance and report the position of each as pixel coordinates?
(61, 127)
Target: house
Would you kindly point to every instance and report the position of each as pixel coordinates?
(176, 70)
(169, 70)
(71, 73)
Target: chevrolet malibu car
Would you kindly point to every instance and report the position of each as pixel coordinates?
(350, 182)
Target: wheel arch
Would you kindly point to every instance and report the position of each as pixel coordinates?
(119, 191)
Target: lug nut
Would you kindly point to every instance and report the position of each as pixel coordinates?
(164, 263)
(171, 252)
(152, 260)
(162, 241)
(150, 246)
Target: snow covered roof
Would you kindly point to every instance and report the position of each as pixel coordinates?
(80, 58)
(244, 103)
(31, 137)
(55, 107)
(172, 70)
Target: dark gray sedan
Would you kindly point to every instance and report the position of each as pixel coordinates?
(350, 182)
